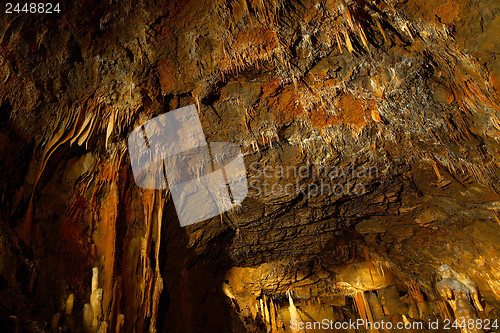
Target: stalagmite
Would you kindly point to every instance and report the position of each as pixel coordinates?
(103, 328)
(96, 301)
(95, 279)
(436, 170)
(33, 277)
(158, 283)
(54, 326)
(69, 304)
(88, 317)
(16, 323)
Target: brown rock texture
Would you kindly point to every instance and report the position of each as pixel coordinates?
(370, 134)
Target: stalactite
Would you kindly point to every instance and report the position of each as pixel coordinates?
(339, 43)
(158, 284)
(294, 315)
(109, 128)
(57, 140)
(495, 215)
(369, 262)
(443, 310)
(364, 309)
(266, 311)
(379, 26)
(376, 307)
(418, 297)
(348, 41)
(360, 305)
(363, 37)
(348, 18)
(255, 311)
(158, 287)
(272, 310)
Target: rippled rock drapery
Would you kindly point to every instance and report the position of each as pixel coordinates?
(395, 104)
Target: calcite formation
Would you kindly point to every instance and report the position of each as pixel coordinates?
(465, 314)
(463, 296)
(370, 137)
(456, 286)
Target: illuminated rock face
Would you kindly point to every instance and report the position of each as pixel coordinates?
(456, 286)
(465, 315)
(369, 133)
(463, 296)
